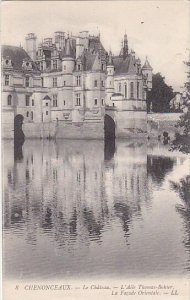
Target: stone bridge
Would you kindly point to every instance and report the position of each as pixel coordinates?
(125, 123)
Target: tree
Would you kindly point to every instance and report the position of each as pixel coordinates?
(159, 97)
(182, 139)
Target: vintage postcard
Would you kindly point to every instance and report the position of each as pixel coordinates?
(95, 118)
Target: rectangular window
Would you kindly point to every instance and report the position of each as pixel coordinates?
(64, 83)
(54, 100)
(54, 64)
(132, 89)
(9, 100)
(46, 104)
(54, 81)
(32, 116)
(27, 81)
(32, 102)
(95, 101)
(125, 91)
(102, 101)
(46, 113)
(42, 81)
(78, 80)
(27, 98)
(6, 79)
(64, 102)
(95, 83)
(102, 83)
(78, 99)
(78, 67)
(138, 90)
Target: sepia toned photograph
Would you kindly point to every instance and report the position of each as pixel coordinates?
(95, 134)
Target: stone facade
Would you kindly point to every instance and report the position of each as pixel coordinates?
(64, 86)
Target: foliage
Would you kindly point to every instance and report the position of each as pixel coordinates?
(182, 139)
(159, 97)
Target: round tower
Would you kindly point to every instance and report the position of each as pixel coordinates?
(109, 80)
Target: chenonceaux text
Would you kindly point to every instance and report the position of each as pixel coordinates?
(45, 287)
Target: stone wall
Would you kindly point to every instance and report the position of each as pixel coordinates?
(86, 130)
(131, 124)
(62, 130)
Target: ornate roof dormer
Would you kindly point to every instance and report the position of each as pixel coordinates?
(7, 63)
(27, 64)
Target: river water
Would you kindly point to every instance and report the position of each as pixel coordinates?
(77, 209)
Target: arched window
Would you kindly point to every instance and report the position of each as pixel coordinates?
(27, 114)
(119, 88)
(32, 116)
(132, 89)
(125, 90)
(9, 100)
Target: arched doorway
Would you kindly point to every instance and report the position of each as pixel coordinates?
(18, 133)
(109, 128)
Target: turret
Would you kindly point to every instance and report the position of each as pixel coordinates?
(147, 72)
(109, 80)
(31, 45)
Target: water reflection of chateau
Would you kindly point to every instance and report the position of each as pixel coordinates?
(70, 188)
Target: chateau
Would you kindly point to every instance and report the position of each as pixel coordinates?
(71, 87)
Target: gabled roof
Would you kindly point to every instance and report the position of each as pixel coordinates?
(17, 55)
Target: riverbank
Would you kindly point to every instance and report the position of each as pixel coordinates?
(160, 122)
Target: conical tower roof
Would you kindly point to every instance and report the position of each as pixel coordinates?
(68, 49)
(147, 65)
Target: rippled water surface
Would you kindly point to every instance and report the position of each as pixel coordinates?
(85, 209)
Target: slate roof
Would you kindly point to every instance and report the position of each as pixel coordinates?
(147, 65)
(125, 66)
(17, 55)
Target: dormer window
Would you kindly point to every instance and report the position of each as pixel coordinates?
(7, 63)
(27, 64)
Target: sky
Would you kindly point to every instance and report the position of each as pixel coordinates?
(158, 29)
